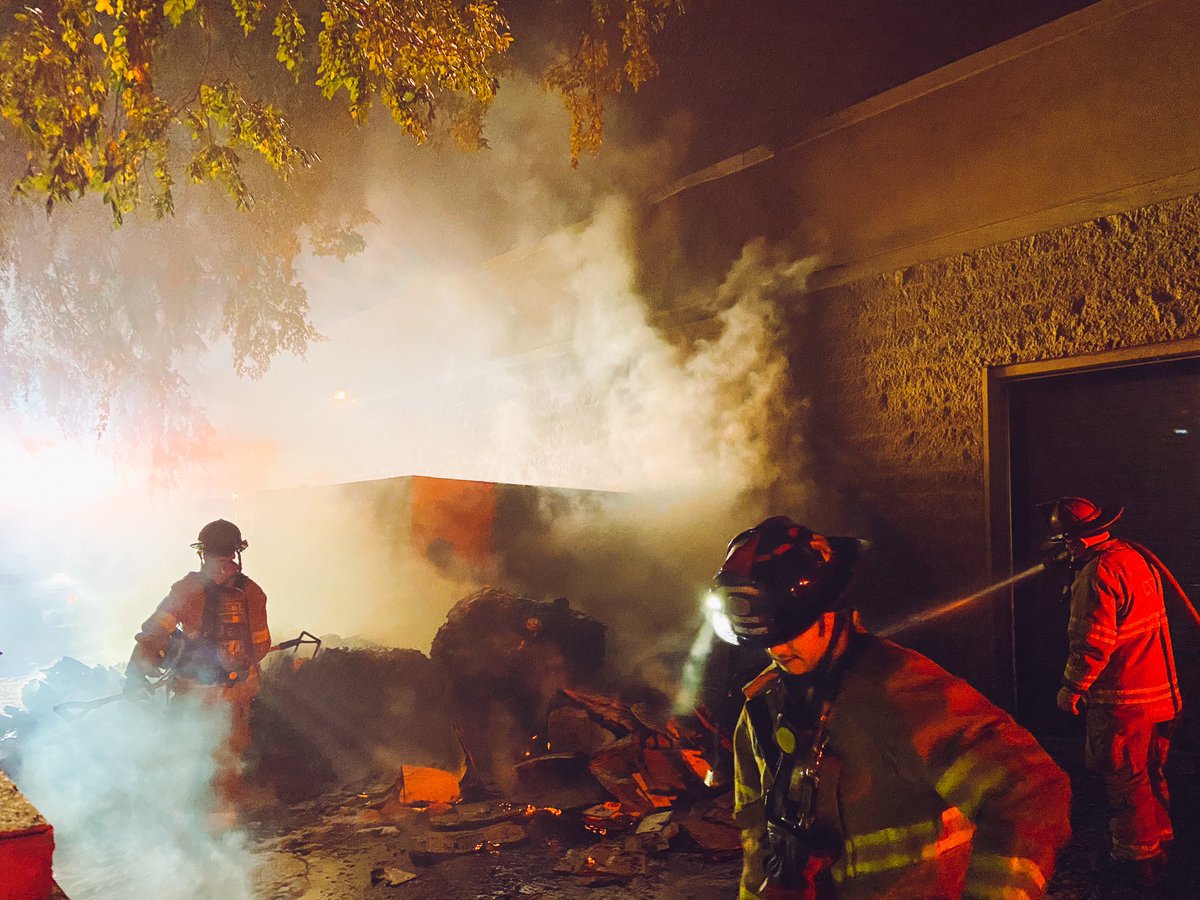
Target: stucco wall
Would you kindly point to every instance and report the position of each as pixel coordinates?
(1089, 115)
(894, 365)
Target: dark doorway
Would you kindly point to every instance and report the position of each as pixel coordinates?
(1127, 435)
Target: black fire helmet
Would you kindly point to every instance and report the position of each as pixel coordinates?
(778, 578)
(220, 538)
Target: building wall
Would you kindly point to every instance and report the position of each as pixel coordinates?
(897, 389)
(1089, 115)
(1034, 201)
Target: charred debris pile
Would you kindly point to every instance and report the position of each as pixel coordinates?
(507, 733)
(504, 731)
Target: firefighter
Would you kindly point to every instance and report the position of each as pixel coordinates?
(1120, 666)
(862, 769)
(207, 636)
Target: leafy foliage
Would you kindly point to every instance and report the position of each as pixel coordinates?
(592, 72)
(78, 80)
(80, 85)
(126, 99)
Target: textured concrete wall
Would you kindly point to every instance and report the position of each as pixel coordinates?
(897, 386)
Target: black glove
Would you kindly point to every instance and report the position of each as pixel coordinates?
(1058, 563)
(787, 856)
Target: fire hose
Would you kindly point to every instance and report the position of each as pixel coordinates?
(73, 710)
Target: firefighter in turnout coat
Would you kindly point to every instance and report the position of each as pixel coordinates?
(1122, 667)
(209, 634)
(862, 769)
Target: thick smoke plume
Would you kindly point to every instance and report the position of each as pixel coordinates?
(681, 437)
(460, 344)
(128, 791)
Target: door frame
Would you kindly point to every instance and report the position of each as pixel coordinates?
(997, 461)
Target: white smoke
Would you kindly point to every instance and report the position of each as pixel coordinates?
(460, 344)
(128, 790)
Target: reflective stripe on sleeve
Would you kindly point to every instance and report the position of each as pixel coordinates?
(261, 637)
(896, 848)
(161, 621)
(1004, 877)
(968, 781)
(1156, 694)
(1082, 629)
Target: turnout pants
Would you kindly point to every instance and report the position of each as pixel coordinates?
(1129, 751)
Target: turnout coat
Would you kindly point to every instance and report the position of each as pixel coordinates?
(1120, 648)
(232, 617)
(930, 789)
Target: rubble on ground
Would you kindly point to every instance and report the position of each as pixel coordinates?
(503, 743)
(347, 715)
(502, 658)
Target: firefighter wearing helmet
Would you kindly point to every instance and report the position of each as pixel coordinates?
(1120, 665)
(206, 639)
(862, 769)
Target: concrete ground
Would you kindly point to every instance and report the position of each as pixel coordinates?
(324, 850)
(1083, 871)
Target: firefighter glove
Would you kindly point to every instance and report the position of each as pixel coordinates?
(1069, 700)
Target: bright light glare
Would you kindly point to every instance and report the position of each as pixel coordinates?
(339, 395)
(1181, 431)
(723, 627)
(712, 602)
(53, 475)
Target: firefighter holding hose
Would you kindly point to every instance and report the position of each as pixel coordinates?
(862, 769)
(1122, 668)
(208, 635)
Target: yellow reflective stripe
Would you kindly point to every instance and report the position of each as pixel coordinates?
(1146, 622)
(163, 620)
(968, 781)
(876, 852)
(261, 637)
(1133, 695)
(1005, 892)
(998, 874)
(1084, 626)
(1092, 635)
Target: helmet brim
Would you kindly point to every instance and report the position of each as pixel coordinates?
(1102, 522)
(201, 547)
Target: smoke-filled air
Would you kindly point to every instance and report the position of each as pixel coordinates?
(491, 329)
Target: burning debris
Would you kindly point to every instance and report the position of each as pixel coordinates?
(501, 738)
(547, 760)
(503, 658)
